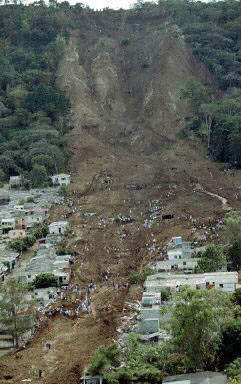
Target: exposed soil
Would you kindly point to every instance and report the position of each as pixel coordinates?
(126, 153)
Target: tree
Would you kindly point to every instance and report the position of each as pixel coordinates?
(196, 323)
(230, 345)
(208, 112)
(2, 176)
(232, 227)
(39, 177)
(18, 245)
(16, 311)
(165, 294)
(45, 280)
(234, 255)
(103, 359)
(196, 93)
(234, 148)
(236, 298)
(211, 260)
(142, 362)
(233, 370)
(44, 160)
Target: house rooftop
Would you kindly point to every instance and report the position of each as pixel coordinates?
(197, 378)
(59, 223)
(165, 275)
(61, 174)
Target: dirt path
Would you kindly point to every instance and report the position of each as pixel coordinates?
(223, 200)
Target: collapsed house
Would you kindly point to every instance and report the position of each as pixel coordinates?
(8, 258)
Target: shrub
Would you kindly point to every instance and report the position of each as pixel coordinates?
(45, 280)
(233, 370)
(145, 65)
(63, 190)
(125, 42)
(230, 343)
(139, 277)
(165, 294)
(236, 298)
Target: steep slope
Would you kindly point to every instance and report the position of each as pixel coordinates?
(123, 79)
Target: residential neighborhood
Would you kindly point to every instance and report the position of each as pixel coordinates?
(170, 276)
(20, 213)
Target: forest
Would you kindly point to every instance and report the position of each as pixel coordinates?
(32, 110)
(213, 31)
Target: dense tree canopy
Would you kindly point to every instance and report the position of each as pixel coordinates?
(16, 310)
(32, 40)
(196, 324)
(211, 260)
(230, 346)
(213, 31)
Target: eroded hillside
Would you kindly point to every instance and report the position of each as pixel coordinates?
(123, 76)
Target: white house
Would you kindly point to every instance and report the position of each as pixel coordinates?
(61, 179)
(197, 378)
(225, 281)
(19, 208)
(15, 181)
(58, 227)
(151, 298)
(187, 265)
(62, 277)
(175, 242)
(7, 224)
(179, 249)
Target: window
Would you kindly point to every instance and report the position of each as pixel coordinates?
(29, 276)
(221, 285)
(184, 263)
